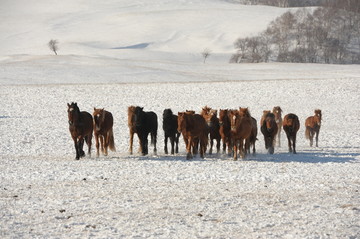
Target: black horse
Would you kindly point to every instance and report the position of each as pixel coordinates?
(145, 123)
(170, 131)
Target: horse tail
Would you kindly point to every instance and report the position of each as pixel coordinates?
(111, 140)
(307, 133)
(153, 138)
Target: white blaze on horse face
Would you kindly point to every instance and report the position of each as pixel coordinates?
(71, 109)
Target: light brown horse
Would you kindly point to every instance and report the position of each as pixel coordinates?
(241, 128)
(291, 126)
(253, 137)
(312, 125)
(194, 130)
(278, 119)
(225, 129)
(103, 130)
(81, 128)
(269, 129)
(212, 121)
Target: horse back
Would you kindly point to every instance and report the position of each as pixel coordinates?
(151, 121)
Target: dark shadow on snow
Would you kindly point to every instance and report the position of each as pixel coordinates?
(136, 46)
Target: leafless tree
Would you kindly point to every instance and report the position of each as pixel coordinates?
(53, 45)
(206, 53)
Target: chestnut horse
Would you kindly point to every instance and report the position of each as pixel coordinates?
(81, 128)
(225, 129)
(194, 130)
(132, 126)
(269, 129)
(312, 125)
(278, 119)
(241, 129)
(253, 136)
(291, 126)
(170, 131)
(212, 121)
(103, 129)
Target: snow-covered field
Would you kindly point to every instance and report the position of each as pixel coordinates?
(45, 193)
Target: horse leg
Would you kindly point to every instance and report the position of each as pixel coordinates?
(153, 140)
(195, 144)
(77, 157)
(279, 136)
(88, 142)
(235, 149)
(172, 142)
(317, 137)
(165, 142)
(188, 148)
(101, 143)
(97, 145)
(106, 143)
(177, 136)
(211, 145)
(131, 142)
(218, 142)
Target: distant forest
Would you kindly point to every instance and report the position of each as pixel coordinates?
(327, 34)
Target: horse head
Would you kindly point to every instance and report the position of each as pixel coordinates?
(99, 117)
(244, 112)
(234, 118)
(139, 116)
(223, 116)
(317, 117)
(73, 113)
(181, 121)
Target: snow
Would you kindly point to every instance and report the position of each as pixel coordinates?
(45, 193)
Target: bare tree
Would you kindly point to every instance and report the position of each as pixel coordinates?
(53, 45)
(206, 53)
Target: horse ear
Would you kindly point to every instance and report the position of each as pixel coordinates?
(68, 105)
(94, 108)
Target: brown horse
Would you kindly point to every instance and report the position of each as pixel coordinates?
(269, 129)
(278, 119)
(103, 130)
(241, 129)
(212, 121)
(81, 128)
(312, 125)
(194, 130)
(253, 136)
(132, 126)
(225, 129)
(291, 126)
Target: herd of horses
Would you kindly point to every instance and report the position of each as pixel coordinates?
(236, 129)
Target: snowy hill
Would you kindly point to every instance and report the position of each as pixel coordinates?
(118, 53)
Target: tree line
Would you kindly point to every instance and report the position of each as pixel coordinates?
(327, 34)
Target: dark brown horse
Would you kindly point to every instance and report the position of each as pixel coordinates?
(212, 121)
(146, 123)
(291, 126)
(81, 128)
(241, 129)
(103, 130)
(225, 129)
(194, 130)
(269, 129)
(278, 118)
(253, 137)
(170, 131)
(312, 125)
